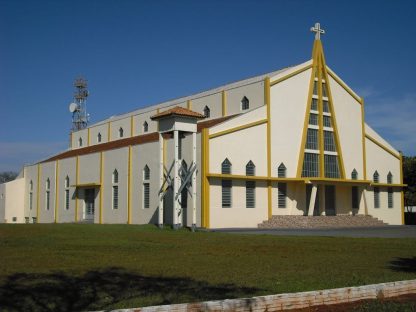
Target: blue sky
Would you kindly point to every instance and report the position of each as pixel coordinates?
(138, 53)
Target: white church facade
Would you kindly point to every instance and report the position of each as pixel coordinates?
(289, 142)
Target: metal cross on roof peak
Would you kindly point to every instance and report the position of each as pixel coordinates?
(318, 31)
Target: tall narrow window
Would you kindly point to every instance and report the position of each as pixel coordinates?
(146, 187)
(390, 197)
(99, 138)
(376, 197)
(389, 178)
(250, 169)
(67, 193)
(324, 90)
(226, 184)
(250, 194)
(312, 139)
(325, 106)
(310, 165)
(30, 195)
(315, 87)
(331, 166)
(313, 119)
(281, 171)
(226, 167)
(314, 104)
(282, 190)
(354, 174)
(245, 103)
(327, 121)
(48, 194)
(120, 132)
(329, 142)
(115, 189)
(354, 197)
(226, 193)
(376, 177)
(80, 142)
(207, 112)
(145, 126)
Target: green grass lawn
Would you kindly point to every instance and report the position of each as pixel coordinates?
(85, 267)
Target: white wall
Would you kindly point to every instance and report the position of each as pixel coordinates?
(14, 201)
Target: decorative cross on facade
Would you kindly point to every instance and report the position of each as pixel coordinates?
(318, 31)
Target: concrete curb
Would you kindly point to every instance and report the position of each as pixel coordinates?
(289, 301)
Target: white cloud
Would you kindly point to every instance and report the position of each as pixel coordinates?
(13, 155)
(395, 120)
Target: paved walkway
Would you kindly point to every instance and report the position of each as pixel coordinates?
(392, 231)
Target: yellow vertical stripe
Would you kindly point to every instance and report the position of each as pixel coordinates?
(269, 158)
(101, 185)
(56, 190)
(189, 104)
(224, 103)
(88, 138)
(401, 181)
(129, 189)
(205, 182)
(38, 196)
(321, 121)
(363, 140)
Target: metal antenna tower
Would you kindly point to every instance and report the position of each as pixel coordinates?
(78, 108)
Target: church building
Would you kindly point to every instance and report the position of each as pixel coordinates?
(292, 142)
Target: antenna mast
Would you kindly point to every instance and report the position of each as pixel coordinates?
(78, 108)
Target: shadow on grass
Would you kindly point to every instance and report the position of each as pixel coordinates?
(403, 265)
(102, 289)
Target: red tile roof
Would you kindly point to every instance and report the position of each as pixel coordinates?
(178, 111)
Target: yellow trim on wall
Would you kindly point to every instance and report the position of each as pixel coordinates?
(254, 178)
(382, 146)
(189, 104)
(56, 190)
(38, 197)
(321, 115)
(363, 139)
(224, 103)
(129, 189)
(401, 181)
(235, 129)
(388, 185)
(76, 190)
(102, 185)
(334, 119)
(301, 70)
(306, 120)
(109, 132)
(343, 85)
(88, 138)
(269, 157)
(205, 219)
(132, 126)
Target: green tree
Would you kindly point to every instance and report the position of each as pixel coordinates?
(7, 176)
(409, 178)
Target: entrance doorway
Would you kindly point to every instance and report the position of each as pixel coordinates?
(89, 208)
(330, 200)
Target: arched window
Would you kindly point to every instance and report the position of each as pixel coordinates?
(226, 167)
(99, 138)
(145, 126)
(250, 169)
(67, 193)
(245, 103)
(389, 178)
(376, 177)
(354, 174)
(120, 132)
(115, 189)
(31, 195)
(146, 187)
(80, 142)
(48, 194)
(207, 112)
(281, 171)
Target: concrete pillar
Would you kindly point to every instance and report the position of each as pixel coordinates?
(194, 182)
(312, 200)
(161, 170)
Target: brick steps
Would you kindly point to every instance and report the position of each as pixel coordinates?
(310, 222)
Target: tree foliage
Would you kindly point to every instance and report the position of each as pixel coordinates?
(7, 176)
(409, 178)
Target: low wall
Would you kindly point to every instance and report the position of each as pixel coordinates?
(292, 300)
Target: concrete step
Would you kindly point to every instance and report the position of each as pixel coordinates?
(308, 222)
